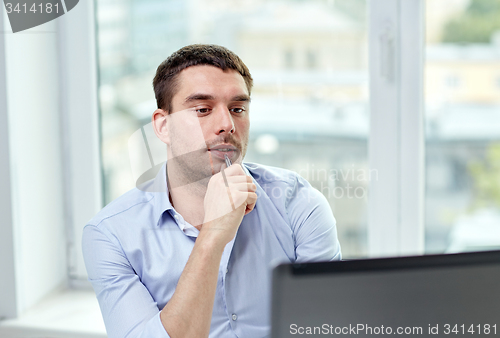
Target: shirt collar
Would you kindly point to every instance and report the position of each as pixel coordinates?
(159, 191)
(159, 188)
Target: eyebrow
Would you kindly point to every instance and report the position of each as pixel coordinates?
(199, 97)
(207, 97)
(241, 98)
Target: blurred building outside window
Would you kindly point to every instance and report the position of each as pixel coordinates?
(462, 103)
(309, 111)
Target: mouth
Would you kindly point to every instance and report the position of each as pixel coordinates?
(224, 149)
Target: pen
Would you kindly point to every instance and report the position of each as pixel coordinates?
(228, 164)
(228, 161)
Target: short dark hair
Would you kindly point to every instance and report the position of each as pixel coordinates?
(165, 80)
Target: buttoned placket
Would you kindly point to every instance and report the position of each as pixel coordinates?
(233, 316)
(223, 275)
(191, 231)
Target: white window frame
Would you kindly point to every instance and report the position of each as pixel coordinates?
(81, 135)
(396, 142)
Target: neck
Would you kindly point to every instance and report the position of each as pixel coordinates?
(187, 198)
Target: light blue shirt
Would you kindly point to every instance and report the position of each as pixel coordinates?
(135, 250)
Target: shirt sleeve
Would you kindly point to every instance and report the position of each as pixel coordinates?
(313, 224)
(127, 307)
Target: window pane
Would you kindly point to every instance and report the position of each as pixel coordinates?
(309, 110)
(462, 96)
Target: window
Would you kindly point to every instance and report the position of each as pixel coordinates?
(453, 81)
(462, 127)
(289, 59)
(309, 110)
(311, 59)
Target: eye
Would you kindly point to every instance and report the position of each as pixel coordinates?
(203, 110)
(237, 110)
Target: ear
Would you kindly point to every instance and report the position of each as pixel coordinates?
(160, 125)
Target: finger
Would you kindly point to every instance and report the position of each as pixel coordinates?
(252, 198)
(227, 189)
(243, 187)
(251, 187)
(230, 198)
(234, 170)
(251, 201)
(224, 177)
(237, 179)
(241, 196)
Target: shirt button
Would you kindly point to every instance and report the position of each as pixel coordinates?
(227, 270)
(234, 316)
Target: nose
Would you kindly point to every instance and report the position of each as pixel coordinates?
(224, 122)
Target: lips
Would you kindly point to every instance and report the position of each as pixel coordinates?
(224, 149)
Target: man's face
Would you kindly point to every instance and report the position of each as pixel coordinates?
(209, 119)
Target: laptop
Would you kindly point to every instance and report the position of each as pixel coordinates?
(424, 296)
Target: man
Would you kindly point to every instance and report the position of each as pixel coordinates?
(189, 254)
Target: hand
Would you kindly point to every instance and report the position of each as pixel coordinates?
(224, 205)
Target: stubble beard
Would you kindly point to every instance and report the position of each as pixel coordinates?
(196, 168)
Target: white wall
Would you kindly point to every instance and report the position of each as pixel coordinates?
(31, 62)
(50, 183)
(8, 305)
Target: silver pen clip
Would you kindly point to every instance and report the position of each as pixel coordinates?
(228, 164)
(228, 161)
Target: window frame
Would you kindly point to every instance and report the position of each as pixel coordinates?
(396, 141)
(81, 135)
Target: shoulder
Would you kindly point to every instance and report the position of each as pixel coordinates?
(305, 210)
(127, 205)
(289, 192)
(265, 174)
(279, 182)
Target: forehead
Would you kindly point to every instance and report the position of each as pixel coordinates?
(210, 80)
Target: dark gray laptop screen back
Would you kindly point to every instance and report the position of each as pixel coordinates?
(417, 296)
